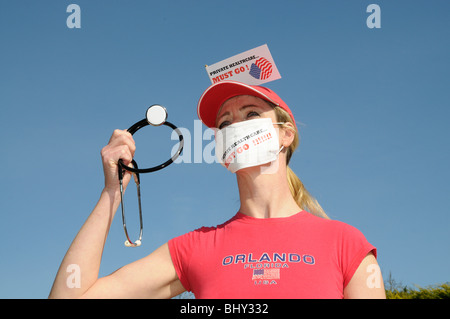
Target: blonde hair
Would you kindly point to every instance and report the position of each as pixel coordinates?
(299, 193)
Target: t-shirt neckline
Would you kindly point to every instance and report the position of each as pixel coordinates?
(272, 220)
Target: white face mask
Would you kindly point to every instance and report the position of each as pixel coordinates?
(247, 144)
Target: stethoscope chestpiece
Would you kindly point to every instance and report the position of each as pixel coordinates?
(156, 115)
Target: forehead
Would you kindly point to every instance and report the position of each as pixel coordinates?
(235, 103)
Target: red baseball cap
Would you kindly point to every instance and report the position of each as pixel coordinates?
(214, 96)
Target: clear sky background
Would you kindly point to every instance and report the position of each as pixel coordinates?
(372, 104)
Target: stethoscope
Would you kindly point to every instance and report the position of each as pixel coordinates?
(156, 115)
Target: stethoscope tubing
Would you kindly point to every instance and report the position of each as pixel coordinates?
(136, 171)
(142, 124)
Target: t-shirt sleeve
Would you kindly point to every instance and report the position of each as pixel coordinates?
(181, 250)
(354, 247)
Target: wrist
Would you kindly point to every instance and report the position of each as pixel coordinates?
(112, 195)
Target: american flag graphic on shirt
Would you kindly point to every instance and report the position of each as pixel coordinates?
(261, 69)
(266, 274)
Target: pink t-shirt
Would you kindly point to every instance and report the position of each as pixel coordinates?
(302, 256)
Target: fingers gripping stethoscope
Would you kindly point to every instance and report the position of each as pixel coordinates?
(156, 115)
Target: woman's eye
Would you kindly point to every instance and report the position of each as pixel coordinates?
(224, 124)
(252, 114)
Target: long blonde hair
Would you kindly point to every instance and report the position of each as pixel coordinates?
(301, 195)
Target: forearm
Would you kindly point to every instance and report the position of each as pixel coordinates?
(85, 252)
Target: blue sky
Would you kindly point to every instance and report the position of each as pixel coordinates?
(373, 107)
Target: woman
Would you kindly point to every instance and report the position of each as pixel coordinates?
(280, 244)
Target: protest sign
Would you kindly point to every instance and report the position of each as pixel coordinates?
(253, 67)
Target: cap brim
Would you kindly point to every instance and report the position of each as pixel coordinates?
(214, 97)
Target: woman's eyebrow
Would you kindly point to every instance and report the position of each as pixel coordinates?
(247, 106)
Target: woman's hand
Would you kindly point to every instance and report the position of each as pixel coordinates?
(120, 146)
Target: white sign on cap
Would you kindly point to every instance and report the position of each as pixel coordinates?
(253, 67)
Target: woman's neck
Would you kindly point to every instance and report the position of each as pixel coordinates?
(265, 195)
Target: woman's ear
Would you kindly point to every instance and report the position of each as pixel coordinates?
(287, 134)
